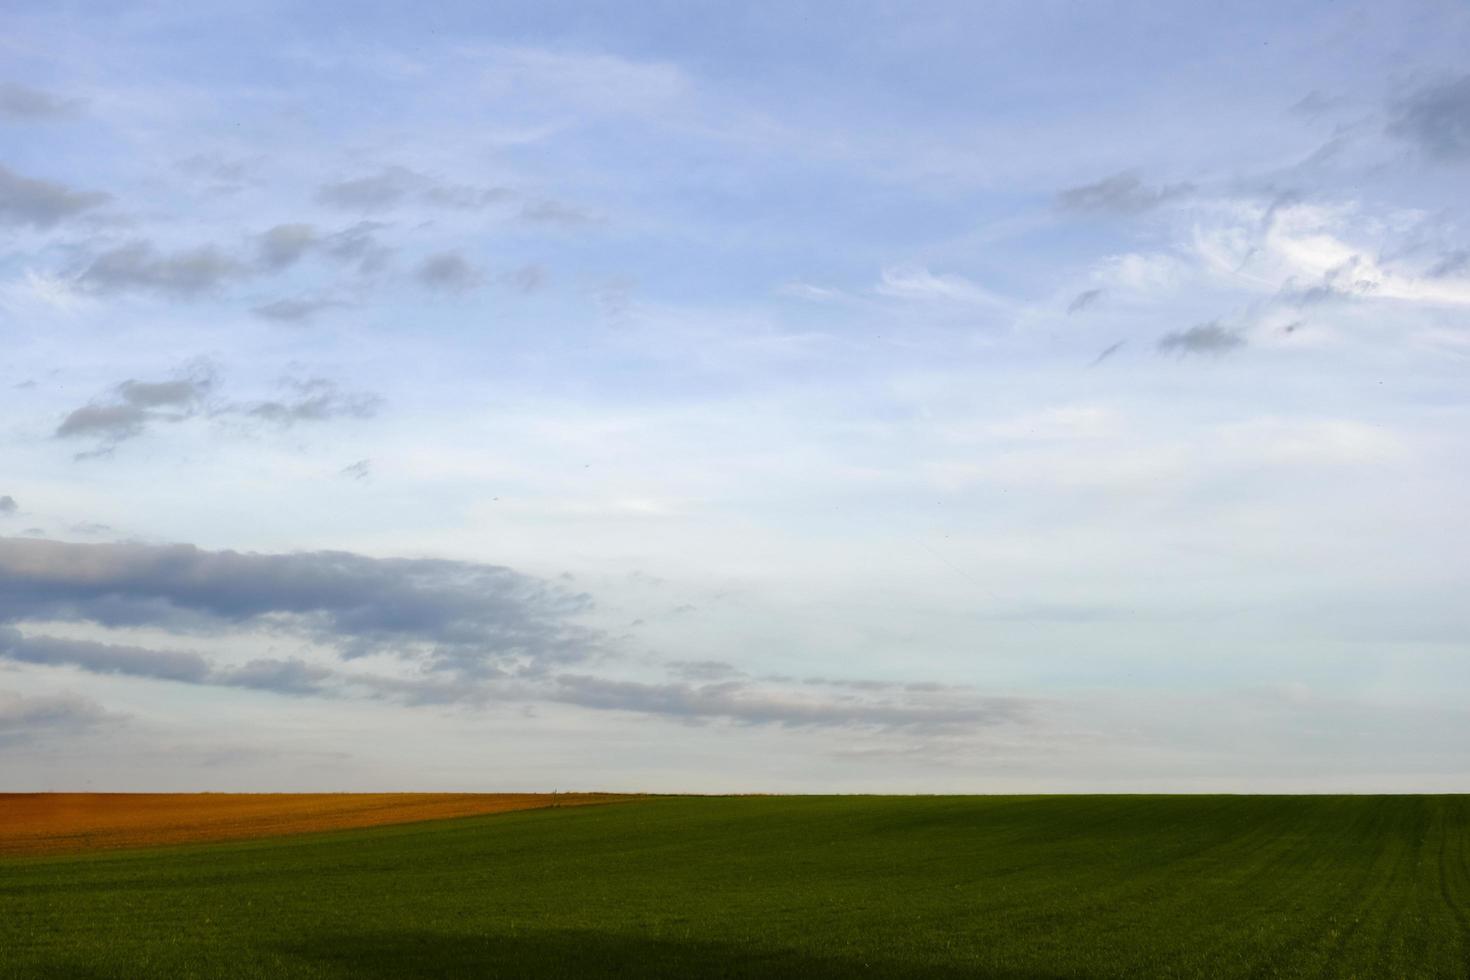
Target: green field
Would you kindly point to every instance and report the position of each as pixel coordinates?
(816, 887)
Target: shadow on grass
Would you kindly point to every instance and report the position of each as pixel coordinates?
(411, 955)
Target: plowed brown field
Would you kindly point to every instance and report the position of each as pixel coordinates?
(49, 823)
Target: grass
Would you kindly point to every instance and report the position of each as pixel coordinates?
(816, 887)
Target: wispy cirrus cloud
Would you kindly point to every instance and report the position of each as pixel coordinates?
(1121, 194)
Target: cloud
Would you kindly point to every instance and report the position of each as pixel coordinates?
(555, 213)
(42, 203)
(283, 246)
(216, 167)
(449, 271)
(102, 658)
(739, 702)
(139, 265)
(396, 185)
(372, 193)
(918, 283)
(1437, 119)
(93, 529)
(1107, 352)
(526, 279)
(1084, 299)
(8, 505)
(360, 470)
(1120, 194)
(471, 633)
(132, 405)
(294, 310)
(1315, 104)
(704, 670)
(314, 400)
(461, 197)
(476, 619)
(24, 719)
(292, 676)
(1451, 263)
(1206, 338)
(359, 244)
(21, 102)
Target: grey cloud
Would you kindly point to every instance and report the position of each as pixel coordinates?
(292, 676)
(1315, 104)
(314, 400)
(1107, 352)
(294, 310)
(1121, 193)
(113, 422)
(615, 297)
(155, 394)
(449, 271)
(279, 676)
(360, 470)
(555, 213)
(397, 185)
(21, 102)
(359, 244)
(215, 167)
(284, 245)
(737, 702)
(204, 269)
(1083, 300)
(1205, 338)
(133, 404)
(92, 529)
(42, 203)
(102, 658)
(372, 193)
(527, 279)
(459, 197)
(140, 266)
(479, 620)
(1437, 119)
(478, 632)
(8, 505)
(704, 670)
(23, 719)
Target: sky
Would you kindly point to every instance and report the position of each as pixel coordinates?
(761, 397)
